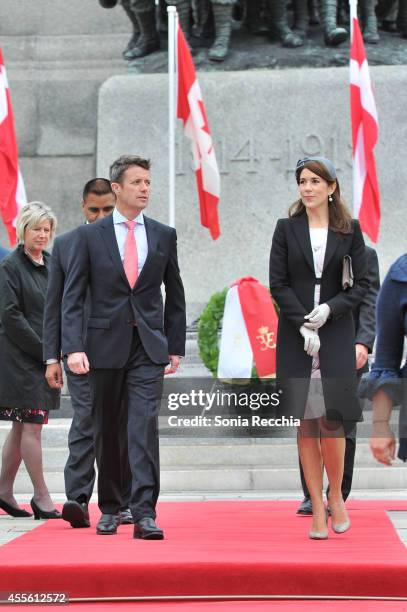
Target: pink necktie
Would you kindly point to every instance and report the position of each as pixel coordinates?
(130, 254)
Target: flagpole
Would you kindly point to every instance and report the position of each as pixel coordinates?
(353, 13)
(172, 21)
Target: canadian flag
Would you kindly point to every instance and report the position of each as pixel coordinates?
(12, 191)
(191, 110)
(249, 332)
(366, 197)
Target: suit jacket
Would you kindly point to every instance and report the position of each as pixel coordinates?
(365, 312)
(23, 285)
(115, 306)
(3, 252)
(292, 284)
(55, 291)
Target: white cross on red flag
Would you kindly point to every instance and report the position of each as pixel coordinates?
(12, 192)
(190, 108)
(366, 196)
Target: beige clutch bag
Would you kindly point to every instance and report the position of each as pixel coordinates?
(347, 273)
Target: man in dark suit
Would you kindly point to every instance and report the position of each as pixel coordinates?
(365, 327)
(124, 259)
(3, 252)
(98, 201)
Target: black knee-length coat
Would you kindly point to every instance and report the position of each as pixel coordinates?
(292, 284)
(23, 285)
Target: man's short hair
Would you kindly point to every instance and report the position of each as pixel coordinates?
(98, 186)
(119, 167)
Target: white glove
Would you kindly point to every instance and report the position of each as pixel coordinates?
(312, 342)
(317, 317)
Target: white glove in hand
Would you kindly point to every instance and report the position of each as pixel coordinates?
(312, 342)
(317, 317)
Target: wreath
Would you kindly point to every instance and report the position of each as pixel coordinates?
(208, 329)
(209, 324)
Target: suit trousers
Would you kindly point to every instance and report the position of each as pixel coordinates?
(138, 387)
(79, 472)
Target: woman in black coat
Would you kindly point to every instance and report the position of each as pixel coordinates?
(316, 364)
(25, 397)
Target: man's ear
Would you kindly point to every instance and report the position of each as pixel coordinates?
(115, 187)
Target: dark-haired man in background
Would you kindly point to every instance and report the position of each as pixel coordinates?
(124, 259)
(98, 202)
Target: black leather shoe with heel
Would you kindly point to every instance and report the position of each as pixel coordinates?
(13, 511)
(44, 514)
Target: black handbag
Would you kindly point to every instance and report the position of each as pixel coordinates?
(347, 273)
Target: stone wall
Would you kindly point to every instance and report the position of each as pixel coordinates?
(262, 123)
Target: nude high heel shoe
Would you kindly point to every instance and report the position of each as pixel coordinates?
(320, 535)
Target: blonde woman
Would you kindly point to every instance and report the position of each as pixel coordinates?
(25, 397)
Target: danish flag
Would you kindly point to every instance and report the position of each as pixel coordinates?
(190, 108)
(12, 192)
(366, 197)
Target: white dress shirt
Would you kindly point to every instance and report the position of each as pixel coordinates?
(120, 228)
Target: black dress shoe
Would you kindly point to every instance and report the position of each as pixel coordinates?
(108, 524)
(39, 513)
(13, 511)
(146, 529)
(75, 513)
(305, 508)
(126, 517)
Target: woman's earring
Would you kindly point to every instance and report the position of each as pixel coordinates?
(330, 198)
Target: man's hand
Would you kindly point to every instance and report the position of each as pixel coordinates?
(362, 353)
(383, 443)
(317, 317)
(78, 363)
(53, 374)
(175, 360)
(312, 342)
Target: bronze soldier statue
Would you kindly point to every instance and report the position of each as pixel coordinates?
(369, 21)
(136, 30)
(367, 13)
(145, 15)
(334, 35)
(222, 14)
(141, 13)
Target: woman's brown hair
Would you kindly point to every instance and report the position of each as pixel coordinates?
(340, 219)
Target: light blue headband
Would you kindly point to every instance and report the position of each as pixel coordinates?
(322, 160)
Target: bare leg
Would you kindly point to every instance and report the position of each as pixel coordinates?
(311, 460)
(31, 453)
(10, 462)
(333, 445)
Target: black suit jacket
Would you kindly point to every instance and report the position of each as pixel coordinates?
(55, 291)
(292, 284)
(115, 306)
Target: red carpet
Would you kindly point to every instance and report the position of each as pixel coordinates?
(237, 606)
(215, 548)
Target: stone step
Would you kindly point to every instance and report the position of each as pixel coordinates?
(56, 432)
(58, 17)
(380, 478)
(223, 456)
